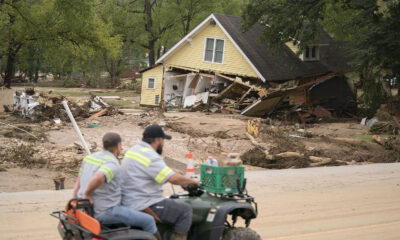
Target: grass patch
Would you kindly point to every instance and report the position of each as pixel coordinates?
(365, 137)
(120, 103)
(369, 137)
(126, 104)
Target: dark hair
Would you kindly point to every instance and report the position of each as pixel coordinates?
(149, 140)
(111, 141)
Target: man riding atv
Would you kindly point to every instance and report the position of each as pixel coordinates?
(209, 211)
(100, 180)
(144, 173)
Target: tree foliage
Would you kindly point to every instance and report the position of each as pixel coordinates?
(85, 38)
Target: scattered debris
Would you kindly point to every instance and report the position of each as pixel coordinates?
(306, 99)
(45, 107)
(23, 130)
(390, 143)
(384, 128)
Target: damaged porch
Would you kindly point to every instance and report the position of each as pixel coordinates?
(209, 91)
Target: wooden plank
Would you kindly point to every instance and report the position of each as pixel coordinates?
(194, 82)
(98, 114)
(207, 75)
(238, 80)
(225, 90)
(244, 95)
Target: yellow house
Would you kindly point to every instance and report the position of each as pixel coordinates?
(216, 54)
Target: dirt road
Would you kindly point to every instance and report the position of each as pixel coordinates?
(347, 202)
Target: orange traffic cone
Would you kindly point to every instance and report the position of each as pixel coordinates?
(190, 167)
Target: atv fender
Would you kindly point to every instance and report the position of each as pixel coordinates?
(244, 210)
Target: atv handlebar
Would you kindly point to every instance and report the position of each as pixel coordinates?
(194, 190)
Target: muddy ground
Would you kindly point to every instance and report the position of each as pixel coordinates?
(279, 145)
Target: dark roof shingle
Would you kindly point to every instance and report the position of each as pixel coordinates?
(286, 65)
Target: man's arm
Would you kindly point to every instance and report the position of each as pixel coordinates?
(96, 181)
(178, 179)
(177, 171)
(76, 188)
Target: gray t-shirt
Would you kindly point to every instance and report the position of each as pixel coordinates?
(109, 193)
(143, 172)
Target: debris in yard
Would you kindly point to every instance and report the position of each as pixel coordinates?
(45, 107)
(384, 128)
(390, 143)
(306, 99)
(26, 131)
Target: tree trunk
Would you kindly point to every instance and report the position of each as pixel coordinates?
(149, 26)
(152, 52)
(9, 72)
(36, 78)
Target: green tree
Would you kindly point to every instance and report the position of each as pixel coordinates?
(27, 23)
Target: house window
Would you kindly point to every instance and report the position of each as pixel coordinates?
(214, 50)
(157, 101)
(151, 83)
(311, 53)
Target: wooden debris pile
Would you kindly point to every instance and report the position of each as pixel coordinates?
(44, 107)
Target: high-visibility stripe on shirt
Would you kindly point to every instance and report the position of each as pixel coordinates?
(163, 173)
(108, 172)
(138, 157)
(145, 149)
(93, 160)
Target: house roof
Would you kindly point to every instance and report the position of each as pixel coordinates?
(286, 65)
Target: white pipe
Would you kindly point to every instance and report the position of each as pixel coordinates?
(77, 130)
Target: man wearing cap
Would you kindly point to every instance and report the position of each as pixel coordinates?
(144, 173)
(100, 181)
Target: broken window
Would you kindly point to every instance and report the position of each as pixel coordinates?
(151, 83)
(214, 50)
(311, 53)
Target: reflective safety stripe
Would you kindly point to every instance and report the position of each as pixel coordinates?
(93, 160)
(138, 157)
(164, 173)
(108, 172)
(80, 171)
(145, 149)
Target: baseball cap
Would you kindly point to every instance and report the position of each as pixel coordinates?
(155, 131)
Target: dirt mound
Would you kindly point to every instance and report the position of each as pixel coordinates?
(22, 155)
(256, 157)
(184, 129)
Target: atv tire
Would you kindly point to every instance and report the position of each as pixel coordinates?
(240, 233)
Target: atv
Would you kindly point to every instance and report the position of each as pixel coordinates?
(214, 217)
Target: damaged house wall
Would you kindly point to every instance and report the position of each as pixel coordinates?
(174, 88)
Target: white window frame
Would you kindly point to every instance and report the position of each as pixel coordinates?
(147, 84)
(316, 58)
(215, 43)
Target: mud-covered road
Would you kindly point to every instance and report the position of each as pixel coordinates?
(347, 202)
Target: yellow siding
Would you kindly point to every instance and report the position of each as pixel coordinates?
(148, 96)
(294, 48)
(192, 55)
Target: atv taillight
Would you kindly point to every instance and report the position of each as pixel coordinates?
(96, 238)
